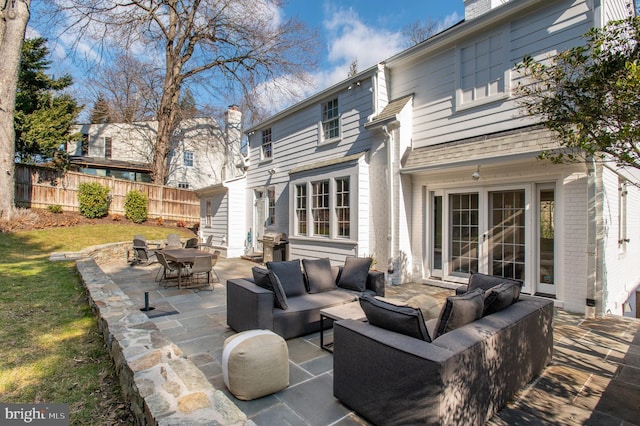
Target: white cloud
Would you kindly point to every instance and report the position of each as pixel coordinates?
(349, 38)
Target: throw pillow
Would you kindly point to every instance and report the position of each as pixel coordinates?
(319, 275)
(399, 319)
(460, 310)
(354, 273)
(500, 297)
(268, 280)
(485, 282)
(290, 275)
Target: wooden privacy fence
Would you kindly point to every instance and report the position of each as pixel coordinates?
(39, 187)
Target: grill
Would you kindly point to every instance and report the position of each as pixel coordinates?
(274, 246)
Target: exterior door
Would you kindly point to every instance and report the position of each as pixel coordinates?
(436, 251)
(506, 234)
(546, 208)
(464, 227)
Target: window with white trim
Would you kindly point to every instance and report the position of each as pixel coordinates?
(343, 212)
(483, 72)
(266, 151)
(323, 208)
(183, 185)
(330, 120)
(320, 207)
(187, 158)
(271, 193)
(301, 209)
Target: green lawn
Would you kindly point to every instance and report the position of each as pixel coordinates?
(51, 350)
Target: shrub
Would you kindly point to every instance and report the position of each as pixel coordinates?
(55, 208)
(160, 221)
(135, 206)
(181, 224)
(93, 200)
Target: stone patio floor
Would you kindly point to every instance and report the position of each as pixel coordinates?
(594, 378)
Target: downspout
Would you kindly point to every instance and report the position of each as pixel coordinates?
(390, 216)
(594, 250)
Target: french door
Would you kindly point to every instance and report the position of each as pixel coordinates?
(491, 231)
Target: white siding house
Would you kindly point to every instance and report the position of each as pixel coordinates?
(199, 148)
(443, 169)
(205, 157)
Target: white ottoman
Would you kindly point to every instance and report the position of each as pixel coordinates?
(255, 363)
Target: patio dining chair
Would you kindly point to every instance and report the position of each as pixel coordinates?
(169, 270)
(214, 260)
(141, 253)
(173, 241)
(201, 269)
(191, 243)
(207, 244)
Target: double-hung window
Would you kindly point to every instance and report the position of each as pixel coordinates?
(483, 71)
(323, 208)
(266, 151)
(330, 120)
(107, 147)
(320, 208)
(188, 158)
(343, 212)
(301, 209)
(271, 193)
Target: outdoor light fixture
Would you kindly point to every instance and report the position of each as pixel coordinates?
(476, 174)
(272, 171)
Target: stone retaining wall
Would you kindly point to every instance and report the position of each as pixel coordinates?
(162, 386)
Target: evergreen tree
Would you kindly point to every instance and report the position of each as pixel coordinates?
(188, 108)
(43, 118)
(101, 112)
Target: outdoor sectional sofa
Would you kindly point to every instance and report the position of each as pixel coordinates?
(463, 376)
(287, 297)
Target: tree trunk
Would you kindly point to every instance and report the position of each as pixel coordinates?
(13, 22)
(167, 121)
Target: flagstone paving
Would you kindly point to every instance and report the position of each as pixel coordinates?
(594, 377)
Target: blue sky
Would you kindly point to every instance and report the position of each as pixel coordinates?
(369, 30)
(366, 30)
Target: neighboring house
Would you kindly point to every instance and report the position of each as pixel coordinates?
(204, 157)
(427, 163)
(198, 149)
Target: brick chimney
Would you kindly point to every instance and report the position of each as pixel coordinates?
(233, 136)
(475, 8)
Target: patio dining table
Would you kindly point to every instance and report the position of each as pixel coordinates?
(184, 256)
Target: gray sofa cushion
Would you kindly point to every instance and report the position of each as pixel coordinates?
(290, 275)
(485, 282)
(460, 310)
(400, 319)
(319, 275)
(267, 279)
(354, 273)
(500, 297)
